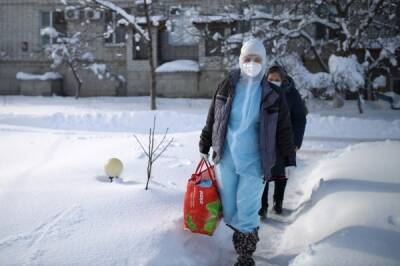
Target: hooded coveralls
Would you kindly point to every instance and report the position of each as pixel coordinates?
(239, 172)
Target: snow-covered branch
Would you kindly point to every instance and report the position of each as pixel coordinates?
(131, 19)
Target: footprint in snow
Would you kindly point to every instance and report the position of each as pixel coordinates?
(59, 226)
(176, 144)
(180, 163)
(394, 220)
(138, 154)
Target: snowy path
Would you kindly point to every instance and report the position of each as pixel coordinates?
(272, 228)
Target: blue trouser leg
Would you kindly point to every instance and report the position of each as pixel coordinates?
(240, 196)
(227, 183)
(248, 197)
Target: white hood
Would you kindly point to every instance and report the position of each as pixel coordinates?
(253, 46)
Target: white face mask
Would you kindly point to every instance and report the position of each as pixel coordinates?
(251, 69)
(277, 83)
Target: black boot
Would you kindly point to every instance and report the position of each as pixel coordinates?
(279, 193)
(264, 202)
(263, 211)
(278, 206)
(245, 244)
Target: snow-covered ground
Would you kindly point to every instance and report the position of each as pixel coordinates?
(57, 207)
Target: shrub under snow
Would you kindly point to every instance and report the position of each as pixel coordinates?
(304, 79)
(347, 73)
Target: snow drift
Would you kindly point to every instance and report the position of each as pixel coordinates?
(349, 213)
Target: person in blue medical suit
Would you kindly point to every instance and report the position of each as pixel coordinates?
(248, 126)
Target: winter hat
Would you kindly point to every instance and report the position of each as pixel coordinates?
(253, 46)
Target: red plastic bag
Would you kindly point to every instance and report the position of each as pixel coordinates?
(202, 209)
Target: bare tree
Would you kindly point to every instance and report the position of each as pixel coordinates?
(153, 150)
(74, 52)
(132, 23)
(346, 26)
(321, 28)
(144, 32)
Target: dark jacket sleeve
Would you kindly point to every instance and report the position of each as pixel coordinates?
(284, 134)
(206, 133)
(298, 117)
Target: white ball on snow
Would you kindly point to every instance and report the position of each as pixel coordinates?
(113, 167)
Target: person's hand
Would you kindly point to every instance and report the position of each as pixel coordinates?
(204, 156)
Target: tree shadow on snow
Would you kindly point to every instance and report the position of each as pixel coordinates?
(371, 240)
(327, 187)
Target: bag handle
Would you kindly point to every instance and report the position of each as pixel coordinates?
(200, 166)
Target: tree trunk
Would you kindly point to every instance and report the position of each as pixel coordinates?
(149, 166)
(320, 61)
(77, 78)
(359, 103)
(152, 81)
(78, 90)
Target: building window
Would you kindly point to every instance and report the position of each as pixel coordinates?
(139, 48)
(115, 28)
(214, 37)
(53, 19)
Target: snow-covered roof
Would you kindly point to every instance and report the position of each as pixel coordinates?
(223, 18)
(179, 66)
(153, 19)
(141, 2)
(45, 76)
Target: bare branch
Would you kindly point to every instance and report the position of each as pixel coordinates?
(130, 18)
(141, 145)
(163, 150)
(162, 140)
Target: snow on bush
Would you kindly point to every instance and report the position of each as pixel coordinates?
(347, 73)
(379, 82)
(49, 31)
(304, 79)
(100, 70)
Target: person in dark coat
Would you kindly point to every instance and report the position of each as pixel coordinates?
(278, 78)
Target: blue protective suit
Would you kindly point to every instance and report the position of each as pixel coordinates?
(243, 128)
(239, 172)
